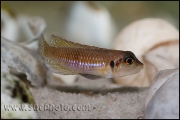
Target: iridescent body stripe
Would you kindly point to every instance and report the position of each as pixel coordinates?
(79, 60)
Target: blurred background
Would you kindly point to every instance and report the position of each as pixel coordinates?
(99, 24)
(56, 14)
(91, 23)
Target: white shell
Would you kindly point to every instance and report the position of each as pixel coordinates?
(140, 36)
(90, 23)
(22, 28)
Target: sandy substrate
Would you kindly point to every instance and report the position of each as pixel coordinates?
(90, 99)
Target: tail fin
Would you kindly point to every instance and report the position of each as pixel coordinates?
(43, 47)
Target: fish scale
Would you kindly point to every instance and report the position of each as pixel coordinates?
(99, 62)
(66, 57)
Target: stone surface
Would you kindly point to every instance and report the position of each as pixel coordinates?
(15, 93)
(164, 102)
(161, 78)
(19, 44)
(23, 60)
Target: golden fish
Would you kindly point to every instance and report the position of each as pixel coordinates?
(66, 57)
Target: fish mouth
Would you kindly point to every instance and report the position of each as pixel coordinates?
(138, 69)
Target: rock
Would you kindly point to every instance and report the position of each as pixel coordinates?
(14, 93)
(160, 78)
(153, 41)
(23, 60)
(19, 44)
(162, 101)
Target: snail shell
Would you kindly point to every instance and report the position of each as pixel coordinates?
(155, 42)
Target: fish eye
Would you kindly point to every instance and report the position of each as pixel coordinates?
(128, 60)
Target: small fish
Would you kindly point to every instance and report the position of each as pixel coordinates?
(69, 58)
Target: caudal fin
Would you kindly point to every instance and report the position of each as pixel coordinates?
(43, 47)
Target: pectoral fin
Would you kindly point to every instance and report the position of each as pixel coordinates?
(55, 67)
(92, 77)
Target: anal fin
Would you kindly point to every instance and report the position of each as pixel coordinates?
(92, 77)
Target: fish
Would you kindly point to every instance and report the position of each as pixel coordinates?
(68, 58)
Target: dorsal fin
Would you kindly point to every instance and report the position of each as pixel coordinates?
(57, 41)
